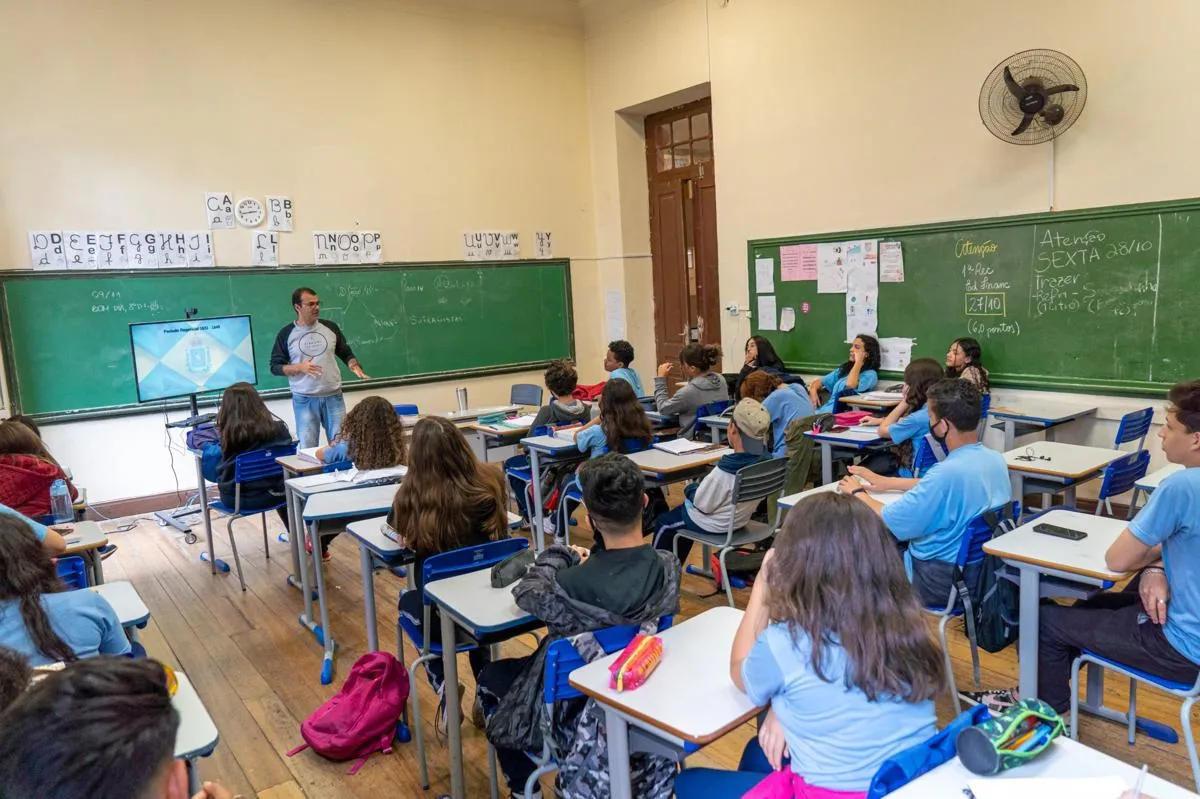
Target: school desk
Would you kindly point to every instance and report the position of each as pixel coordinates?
(857, 440)
(471, 414)
(320, 507)
(1069, 464)
(546, 450)
(293, 466)
(1065, 759)
(469, 602)
(1150, 482)
(1049, 566)
(791, 500)
(197, 734)
(487, 437)
(688, 702)
(1030, 415)
(666, 467)
(85, 539)
(716, 425)
(866, 403)
(127, 604)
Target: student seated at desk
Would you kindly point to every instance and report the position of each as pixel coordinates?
(907, 423)
(935, 511)
(785, 402)
(245, 424)
(573, 592)
(1153, 625)
(761, 357)
(833, 640)
(40, 618)
(448, 500)
(622, 425)
(27, 470)
(371, 436)
(563, 409)
(616, 363)
(708, 506)
(98, 729)
(51, 539)
(964, 360)
(703, 387)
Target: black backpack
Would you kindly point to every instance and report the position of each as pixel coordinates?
(997, 613)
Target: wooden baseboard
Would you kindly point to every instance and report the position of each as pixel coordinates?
(137, 506)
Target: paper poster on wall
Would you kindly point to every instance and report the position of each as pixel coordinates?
(218, 207)
(543, 245)
(862, 317)
(472, 246)
(200, 249)
(172, 249)
(324, 247)
(891, 262)
(895, 353)
(46, 249)
(80, 247)
(798, 262)
(510, 244)
(372, 247)
(279, 213)
(143, 249)
(766, 313)
(787, 319)
(614, 314)
(110, 250)
(764, 276)
(831, 269)
(264, 248)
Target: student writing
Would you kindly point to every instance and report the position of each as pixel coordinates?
(907, 423)
(371, 436)
(833, 640)
(616, 363)
(703, 387)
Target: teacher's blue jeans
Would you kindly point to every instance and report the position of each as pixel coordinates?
(313, 413)
(711, 783)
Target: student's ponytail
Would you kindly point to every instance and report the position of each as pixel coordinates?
(701, 356)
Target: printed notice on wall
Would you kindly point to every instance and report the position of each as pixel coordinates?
(218, 205)
(46, 249)
(279, 213)
(764, 276)
(766, 313)
(81, 249)
(831, 269)
(110, 250)
(798, 262)
(264, 248)
(200, 249)
(891, 262)
(543, 244)
(491, 245)
(787, 319)
(862, 288)
(895, 353)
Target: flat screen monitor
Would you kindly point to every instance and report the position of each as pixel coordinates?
(191, 356)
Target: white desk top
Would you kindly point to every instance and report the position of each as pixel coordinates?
(1066, 460)
(197, 735)
(689, 696)
(655, 461)
(352, 502)
(862, 401)
(327, 481)
(501, 431)
(83, 536)
(475, 605)
(886, 497)
(1084, 557)
(715, 421)
(850, 438)
(369, 532)
(1043, 413)
(1152, 480)
(295, 464)
(551, 444)
(130, 609)
(1064, 759)
(475, 413)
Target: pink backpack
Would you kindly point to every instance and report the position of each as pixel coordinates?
(360, 719)
(849, 418)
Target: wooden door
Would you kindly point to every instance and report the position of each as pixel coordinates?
(683, 228)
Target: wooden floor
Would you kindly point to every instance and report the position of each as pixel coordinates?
(258, 671)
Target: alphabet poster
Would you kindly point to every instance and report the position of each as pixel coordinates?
(110, 250)
(200, 249)
(218, 206)
(46, 249)
(264, 248)
(543, 246)
(491, 245)
(347, 247)
(279, 213)
(172, 249)
(80, 249)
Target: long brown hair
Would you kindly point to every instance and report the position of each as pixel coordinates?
(17, 439)
(702, 357)
(758, 385)
(243, 420)
(622, 416)
(375, 435)
(447, 494)
(27, 572)
(837, 579)
(919, 375)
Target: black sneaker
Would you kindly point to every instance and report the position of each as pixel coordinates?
(996, 701)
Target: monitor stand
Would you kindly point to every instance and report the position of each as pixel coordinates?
(175, 516)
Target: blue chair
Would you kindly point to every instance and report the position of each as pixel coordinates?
(72, 570)
(571, 495)
(982, 528)
(1187, 692)
(711, 409)
(562, 658)
(520, 473)
(250, 467)
(926, 452)
(525, 394)
(439, 567)
(1134, 426)
(406, 410)
(1119, 477)
(985, 407)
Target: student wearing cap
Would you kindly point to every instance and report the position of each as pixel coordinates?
(708, 506)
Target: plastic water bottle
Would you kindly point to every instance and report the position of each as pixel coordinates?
(60, 502)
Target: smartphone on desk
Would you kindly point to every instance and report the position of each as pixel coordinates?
(1060, 532)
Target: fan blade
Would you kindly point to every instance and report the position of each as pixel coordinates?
(1012, 84)
(1024, 125)
(1066, 87)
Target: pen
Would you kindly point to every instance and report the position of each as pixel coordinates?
(1137, 789)
(1042, 736)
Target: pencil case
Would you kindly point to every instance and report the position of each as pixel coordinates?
(636, 663)
(1011, 739)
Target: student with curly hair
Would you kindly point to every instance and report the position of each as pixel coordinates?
(563, 408)
(371, 436)
(616, 363)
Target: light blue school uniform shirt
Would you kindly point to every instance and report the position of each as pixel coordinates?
(630, 377)
(910, 428)
(867, 380)
(1172, 518)
(83, 619)
(786, 404)
(592, 440)
(934, 514)
(38, 528)
(837, 738)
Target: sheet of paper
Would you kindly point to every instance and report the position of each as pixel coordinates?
(682, 446)
(80, 248)
(614, 314)
(895, 353)
(200, 249)
(766, 313)
(764, 276)
(862, 288)
(891, 262)
(264, 248)
(218, 205)
(372, 247)
(543, 244)
(324, 247)
(787, 319)
(862, 317)
(172, 249)
(110, 251)
(46, 250)
(279, 213)
(798, 262)
(831, 269)
(143, 249)
(1048, 788)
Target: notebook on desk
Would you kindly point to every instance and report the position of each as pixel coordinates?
(309, 454)
(682, 446)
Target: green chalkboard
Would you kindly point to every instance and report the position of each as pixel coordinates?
(1097, 299)
(67, 333)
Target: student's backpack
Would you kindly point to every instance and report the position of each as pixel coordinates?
(588, 393)
(997, 611)
(360, 719)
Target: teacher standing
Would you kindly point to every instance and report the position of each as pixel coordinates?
(304, 353)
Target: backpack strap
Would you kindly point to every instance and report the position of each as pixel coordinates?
(297, 750)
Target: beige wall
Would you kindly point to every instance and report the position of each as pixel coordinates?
(419, 118)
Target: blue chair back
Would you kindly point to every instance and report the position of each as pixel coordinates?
(1119, 476)
(562, 658)
(73, 572)
(985, 408)
(713, 408)
(468, 559)
(541, 430)
(1133, 427)
(525, 394)
(983, 528)
(925, 454)
(631, 445)
(260, 464)
(406, 410)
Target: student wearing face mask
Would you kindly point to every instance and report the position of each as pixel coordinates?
(932, 516)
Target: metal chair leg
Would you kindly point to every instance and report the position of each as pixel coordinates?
(266, 546)
(1185, 719)
(1131, 719)
(1075, 698)
(493, 782)
(725, 581)
(233, 545)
